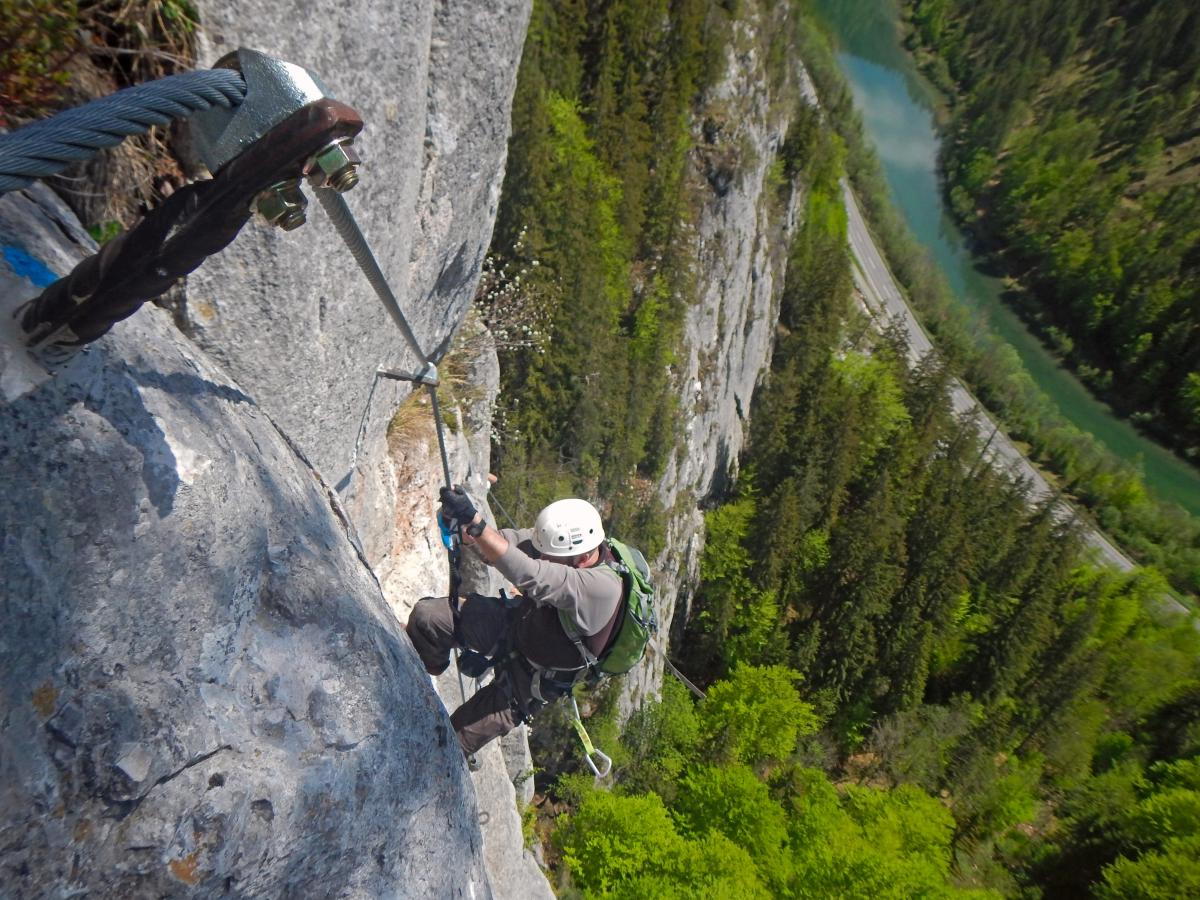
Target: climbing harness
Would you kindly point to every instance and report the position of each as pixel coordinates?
(564, 685)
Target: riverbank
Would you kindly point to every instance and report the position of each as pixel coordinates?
(1064, 173)
(1024, 296)
(1156, 532)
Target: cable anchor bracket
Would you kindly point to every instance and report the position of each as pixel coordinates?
(286, 129)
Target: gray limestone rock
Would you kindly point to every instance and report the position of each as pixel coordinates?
(434, 86)
(203, 692)
(512, 868)
(518, 764)
(740, 245)
(415, 565)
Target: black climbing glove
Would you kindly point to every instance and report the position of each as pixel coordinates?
(456, 505)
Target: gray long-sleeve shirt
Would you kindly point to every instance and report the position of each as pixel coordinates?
(589, 597)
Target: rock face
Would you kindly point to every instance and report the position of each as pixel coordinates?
(434, 87)
(740, 246)
(203, 690)
(415, 565)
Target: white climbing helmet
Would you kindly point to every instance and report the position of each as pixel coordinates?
(567, 528)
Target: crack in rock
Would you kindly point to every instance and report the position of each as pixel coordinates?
(195, 761)
(344, 746)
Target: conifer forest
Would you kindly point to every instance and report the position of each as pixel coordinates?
(918, 681)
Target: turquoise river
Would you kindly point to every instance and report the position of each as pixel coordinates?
(896, 105)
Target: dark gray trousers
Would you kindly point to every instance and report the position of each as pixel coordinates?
(483, 622)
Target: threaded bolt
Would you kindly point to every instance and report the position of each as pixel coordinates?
(283, 205)
(334, 165)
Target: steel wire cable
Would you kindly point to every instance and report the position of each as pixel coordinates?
(50, 145)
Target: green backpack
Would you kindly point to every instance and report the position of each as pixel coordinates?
(637, 621)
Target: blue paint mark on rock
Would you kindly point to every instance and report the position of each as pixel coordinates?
(28, 267)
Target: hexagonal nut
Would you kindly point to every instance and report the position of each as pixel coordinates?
(335, 165)
(283, 205)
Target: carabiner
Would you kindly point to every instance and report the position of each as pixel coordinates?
(588, 749)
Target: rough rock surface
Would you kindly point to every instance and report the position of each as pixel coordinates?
(434, 87)
(204, 692)
(415, 566)
(740, 246)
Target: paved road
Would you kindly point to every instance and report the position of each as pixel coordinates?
(884, 301)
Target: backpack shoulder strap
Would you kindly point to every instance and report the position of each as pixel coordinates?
(617, 568)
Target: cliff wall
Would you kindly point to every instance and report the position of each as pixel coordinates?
(434, 87)
(205, 691)
(740, 246)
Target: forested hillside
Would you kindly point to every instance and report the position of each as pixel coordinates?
(1154, 530)
(587, 283)
(915, 684)
(1076, 155)
(949, 636)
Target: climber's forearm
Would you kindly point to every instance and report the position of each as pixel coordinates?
(490, 544)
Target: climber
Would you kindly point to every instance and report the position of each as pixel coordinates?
(563, 568)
